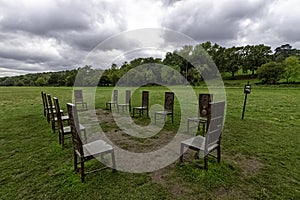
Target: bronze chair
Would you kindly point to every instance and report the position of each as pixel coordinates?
(88, 151)
(168, 107)
(205, 145)
(78, 98)
(145, 104)
(127, 103)
(114, 102)
(62, 129)
(48, 109)
(203, 112)
(44, 104)
(53, 117)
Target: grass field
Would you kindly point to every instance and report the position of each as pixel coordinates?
(260, 154)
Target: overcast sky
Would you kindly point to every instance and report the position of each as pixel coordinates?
(53, 35)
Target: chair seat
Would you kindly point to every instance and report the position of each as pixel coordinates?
(198, 119)
(140, 108)
(64, 118)
(198, 142)
(96, 147)
(67, 129)
(123, 104)
(163, 112)
(54, 111)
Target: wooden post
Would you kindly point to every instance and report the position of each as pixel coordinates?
(245, 100)
(247, 91)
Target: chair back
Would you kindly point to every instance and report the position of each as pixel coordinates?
(115, 97)
(216, 121)
(128, 97)
(169, 101)
(204, 100)
(50, 106)
(78, 97)
(58, 114)
(75, 129)
(44, 104)
(145, 99)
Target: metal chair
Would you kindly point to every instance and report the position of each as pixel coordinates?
(88, 151)
(114, 102)
(78, 98)
(212, 140)
(168, 107)
(53, 114)
(127, 103)
(44, 104)
(145, 104)
(62, 129)
(203, 112)
(48, 110)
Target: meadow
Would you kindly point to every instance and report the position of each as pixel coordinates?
(260, 154)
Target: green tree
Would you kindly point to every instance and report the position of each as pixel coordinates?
(284, 51)
(291, 68)
(253, 56)
(40, 81)
(9, 81)
(233, 59)
(70, 77)
(270, 73)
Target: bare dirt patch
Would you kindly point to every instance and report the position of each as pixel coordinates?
(249, 166)
(125, 141)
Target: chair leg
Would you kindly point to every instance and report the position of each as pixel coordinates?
(206, 162)
(181, 153)
(62, 140)
(219, 153)
(154, 118)
(48, 118)
(172, 118)
(75, 161)
(113, 159)
(82, 169)
(53, 126)
(59, 137)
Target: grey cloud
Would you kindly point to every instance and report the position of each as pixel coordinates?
(214, 22)
(27, 57)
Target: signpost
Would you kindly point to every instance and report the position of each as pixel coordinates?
(247, 90)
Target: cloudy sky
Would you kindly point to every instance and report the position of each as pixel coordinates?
(53, 35)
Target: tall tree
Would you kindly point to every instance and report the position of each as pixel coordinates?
(232, 59)
(284, 51)
(254, 56)
(291, 68)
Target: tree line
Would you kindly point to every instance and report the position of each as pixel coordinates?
(260, 60)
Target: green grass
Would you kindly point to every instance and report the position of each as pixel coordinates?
(260, 154)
